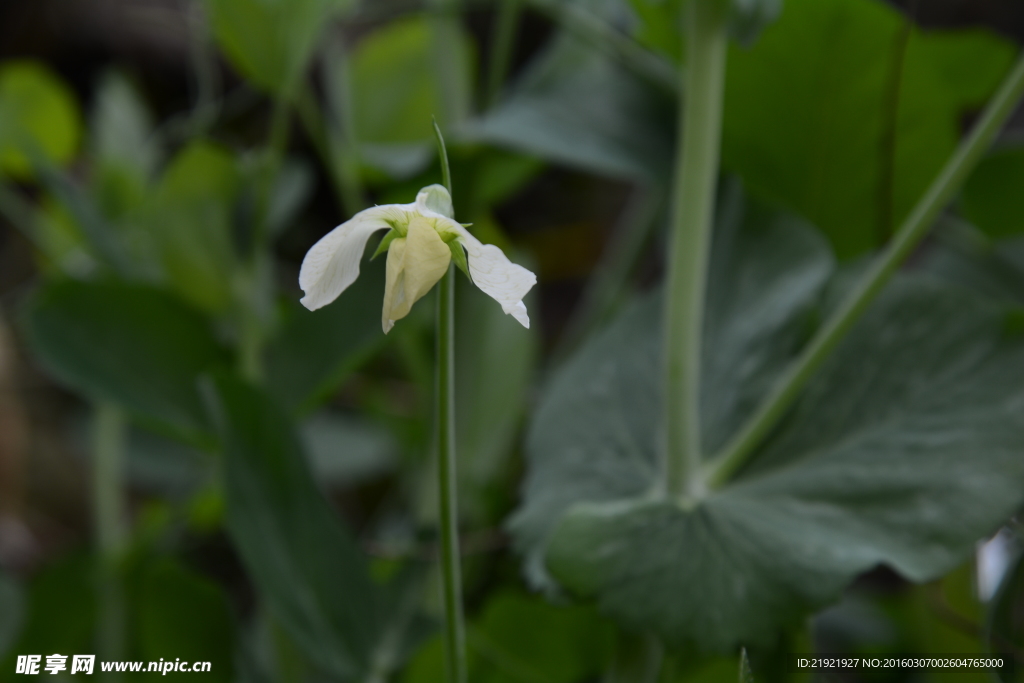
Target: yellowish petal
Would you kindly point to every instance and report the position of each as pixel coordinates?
(415, 264)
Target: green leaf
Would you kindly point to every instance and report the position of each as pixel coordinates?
(135, 346)
(749, 17)
(190, 219)
(902, 451)
(346, 450)
(12, 611)
(494, 374)
(60, 613)
(270, 42)
(991, 197)
(746, 675)
(306, 566)
(1005, 625)
(819, 135)
(521, 638)
(182, 615)
(578, 107)
(37, 112)
(313, 351)
(395, 92)
(122, 131)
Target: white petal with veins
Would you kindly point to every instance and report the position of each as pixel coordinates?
(491, 271)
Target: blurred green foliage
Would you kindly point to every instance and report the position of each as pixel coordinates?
(167, 259)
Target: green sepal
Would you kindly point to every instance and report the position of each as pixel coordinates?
(459, 256)
(385, 243)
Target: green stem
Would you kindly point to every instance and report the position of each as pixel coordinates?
(693, 212)
(109, 519)
(506, 21)
(451, 571)
(455, 636)
(914, 228)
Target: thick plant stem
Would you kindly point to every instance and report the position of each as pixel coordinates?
(451, 570)
(692, 216)
(109, 515)
(454, 631)
(913, 229)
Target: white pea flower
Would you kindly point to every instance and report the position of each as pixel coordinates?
(422, 241)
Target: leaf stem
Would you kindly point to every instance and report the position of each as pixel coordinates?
(721, 468)
(451, 575)
(109, 430)
(637, 659)
(692, 215)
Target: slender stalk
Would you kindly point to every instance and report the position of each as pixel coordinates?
(914, 228)
(451, 571)
(506, 22)
(692, 215)
(109, 520)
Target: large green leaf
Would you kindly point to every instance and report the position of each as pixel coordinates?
(38, 113)
(819, 134)
(578, 106)
(271, 41)
(903, 450)
(991, 197)
(306, 566)
(182, 615)
(133, 345)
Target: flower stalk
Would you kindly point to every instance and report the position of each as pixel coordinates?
(692, 216)
(451, 570)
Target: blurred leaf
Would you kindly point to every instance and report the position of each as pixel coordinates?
(347, 450)
(577, 106)
(291, 191)
(992, 200)
(191, 223)
(902, 451)
(132, 345)
(501, 174)
(270, 42)
(496, 361)
(749, 17)
(394, 94)
(313, 351)
(38, 111)
(658, 27)
(122, 128)
(1005, 623)
(182, 615)
(60, 613)
(169, 468)
(812, 133)
(520, 638)
(307, 568)
(12, 612)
